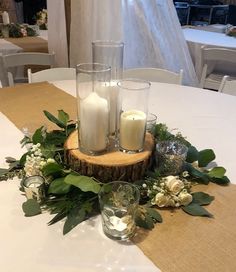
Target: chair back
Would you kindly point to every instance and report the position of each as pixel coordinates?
(214, 56)
(155, 75)
(52, 74)
(228, 86)
(183, 12)
(21, 59)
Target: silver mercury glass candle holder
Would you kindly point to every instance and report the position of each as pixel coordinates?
(170, 157)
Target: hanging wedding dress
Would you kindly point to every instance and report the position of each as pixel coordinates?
(150, 30)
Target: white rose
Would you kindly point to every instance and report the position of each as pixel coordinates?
(170, 202)
(174, 184)
(160, 200)
(185, 198)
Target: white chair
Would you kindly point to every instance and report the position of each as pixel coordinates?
(21, 59)
(52, 74)
(228, 86)
(210, 57)
(155, 75)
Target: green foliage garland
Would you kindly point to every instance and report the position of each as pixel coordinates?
(74, 197)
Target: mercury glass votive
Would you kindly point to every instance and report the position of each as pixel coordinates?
(118, 204)
(34, 187)
(170, 157)
(133, 114)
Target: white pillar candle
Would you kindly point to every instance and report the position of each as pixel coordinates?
(132, 130)
(94, 114)
(111, 91)
(5, 18)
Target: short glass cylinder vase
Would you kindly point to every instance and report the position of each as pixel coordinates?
(111, 54)
(133, 114)
(118, 204)
(92, 84)
(170, 157)
(34, 187)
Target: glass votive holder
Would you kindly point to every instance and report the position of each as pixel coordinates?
(34, 187)
(133, 114)
(151, 121)
(170, 157)
(118, 204)
(93, 82)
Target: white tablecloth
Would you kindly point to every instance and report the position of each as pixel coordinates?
(196, 38)
(8, 47)
(28, 244)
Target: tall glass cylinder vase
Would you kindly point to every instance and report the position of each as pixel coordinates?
(133, 114)
(93, 81)
(111, 53)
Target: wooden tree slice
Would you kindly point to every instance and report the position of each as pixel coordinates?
(114, 165)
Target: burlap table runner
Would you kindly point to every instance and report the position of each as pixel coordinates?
(30, 44)
(181, 242)
(24, 104)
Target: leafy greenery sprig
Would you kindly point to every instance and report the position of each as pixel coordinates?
(74, 197)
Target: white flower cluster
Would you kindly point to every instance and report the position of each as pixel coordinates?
(170, 191)
(34, 161)
(42, 18)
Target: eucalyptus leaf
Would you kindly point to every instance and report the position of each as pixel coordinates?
(221, 181)
(63, 117)
(53, 119)
(205, 157)
(3, 171)
(154, 214)
(52, 168)
(31, 207)
(217, 172)
(144, 221)
(23, 159)
(58, 186)
(84, 183)
(201, 176)
(202, 198)
(196, 210)
(10, 159)
(192, 154)
(55, 138)
(76, 216)
(37, 136)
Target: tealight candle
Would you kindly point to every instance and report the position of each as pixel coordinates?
(34, 187)
(132, 130)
